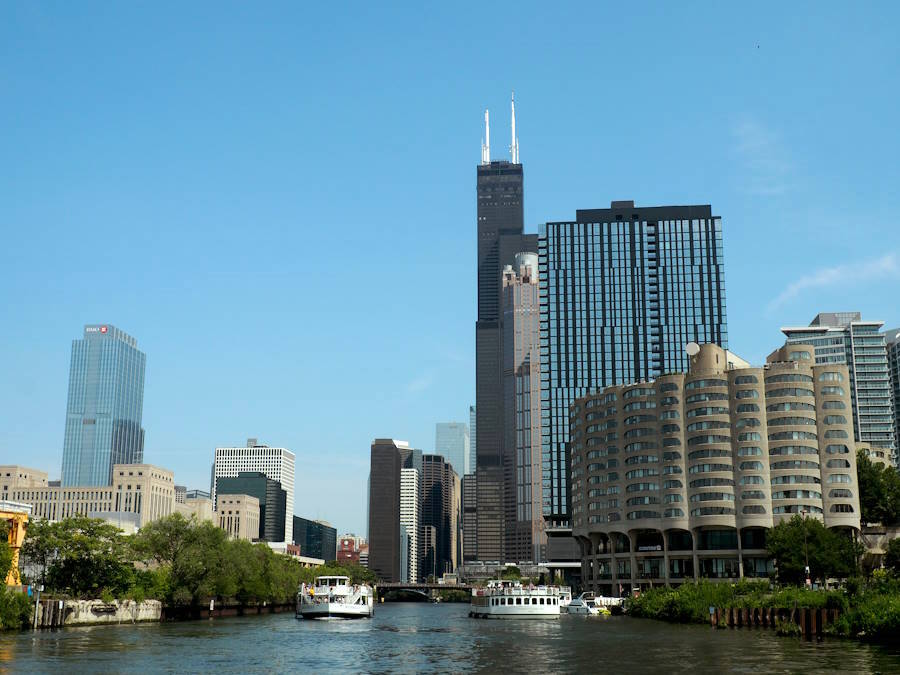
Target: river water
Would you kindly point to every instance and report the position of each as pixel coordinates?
(421, 637)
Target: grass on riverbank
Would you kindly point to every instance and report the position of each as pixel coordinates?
(868, 610)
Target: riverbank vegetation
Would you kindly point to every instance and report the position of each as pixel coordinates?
(15, 606)
(178, 561)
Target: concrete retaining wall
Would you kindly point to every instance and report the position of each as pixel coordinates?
(55, 613)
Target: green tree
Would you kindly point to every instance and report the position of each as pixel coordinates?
(511, 572)
(91, 558)
(879, 491)
(892, 555)
(40, 545)
(6, 552)
(801, 541)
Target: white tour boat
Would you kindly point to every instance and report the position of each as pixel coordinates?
(335, 598)
(588, 605)
(503, 599)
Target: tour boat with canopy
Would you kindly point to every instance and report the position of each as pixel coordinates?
(505, 599)
(335, 598)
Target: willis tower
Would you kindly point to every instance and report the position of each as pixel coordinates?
(500, 238)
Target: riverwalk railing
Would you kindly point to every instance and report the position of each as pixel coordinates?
(809, 621)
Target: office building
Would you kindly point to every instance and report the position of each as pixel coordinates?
(451, 440)
(238, 515)
(105, 406)
(348, 548)
(524, 520)
(139, 494)
(384, 508)
(623, 290)
(410, 502)
(469, 519)
(500, 237)
(316, 538)
(892, 343)
(843, 337)
(679, 477)
(271, 497)
(276, 463)
(440, 510)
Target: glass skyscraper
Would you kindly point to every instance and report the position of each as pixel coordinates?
(843, 337)
(451, 439)
(623, 290)
(105, 406)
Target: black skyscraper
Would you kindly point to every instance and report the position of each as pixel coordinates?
(500, 237)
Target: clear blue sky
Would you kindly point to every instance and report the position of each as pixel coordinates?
(278, 200)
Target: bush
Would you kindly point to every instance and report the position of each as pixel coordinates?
(15, 610)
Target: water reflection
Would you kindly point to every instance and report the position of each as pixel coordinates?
(418, 637)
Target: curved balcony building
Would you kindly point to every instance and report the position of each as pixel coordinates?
(679, 478)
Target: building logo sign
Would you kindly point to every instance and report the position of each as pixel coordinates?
(102, 329)
(96, 329)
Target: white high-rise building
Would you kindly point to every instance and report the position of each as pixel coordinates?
(410, 520)
(275, 463)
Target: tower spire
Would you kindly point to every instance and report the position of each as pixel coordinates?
(486, 141)
(514, 146)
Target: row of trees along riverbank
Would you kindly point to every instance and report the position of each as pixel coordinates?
(178, 561)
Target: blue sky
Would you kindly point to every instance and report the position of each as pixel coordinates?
(278, 200)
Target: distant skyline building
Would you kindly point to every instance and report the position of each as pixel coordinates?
(892, 343)
(623, 290)
(275, 463)
(500, 193)
(410, 503)
(440, 510)
(451, 440)
(272, 499)
(524, 520)
(469, 518)
(843, 337)
(316, 538)
(384, 508)
(105, 406)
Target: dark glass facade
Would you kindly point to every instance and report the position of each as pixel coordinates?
(272, 500)
(384, 510)
(315, 539)
(105, 406)
(500, 238)
(438, 502)
(623, 290)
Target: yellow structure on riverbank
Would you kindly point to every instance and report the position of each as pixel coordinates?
(16, 515)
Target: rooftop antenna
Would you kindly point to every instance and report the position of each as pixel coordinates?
(514, 148)
(486, 141)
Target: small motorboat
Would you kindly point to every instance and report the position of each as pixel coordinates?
(586, 604)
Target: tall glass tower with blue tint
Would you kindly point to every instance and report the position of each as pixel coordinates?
(623, 290)
(106, 402)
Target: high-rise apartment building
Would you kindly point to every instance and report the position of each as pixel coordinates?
(276, 463)
(843, 337)
(892, 343)
(105, 406)
(524, 521)
(271, 497)
(384, 508)
(680, 477)
(451, 439)
(500, 238)
(440, 510)
(410, 502)
(623, 290)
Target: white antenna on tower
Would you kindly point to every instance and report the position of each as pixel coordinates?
(486, 141)
(514, 147)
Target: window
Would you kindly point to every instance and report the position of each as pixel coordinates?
(839, 478)
(668, 386)
(712, 497)
(750, 451)
(672, 484)
(836, 433)
(748, 422)
(831, 377)
(841, 508)
(793, 450)
(673, 498)
(787, 465)
(789, 377)
(794, 436)
(746, 379)
(640, 515)
(832, 391)
(711, 482)
(834, 405)
(837, 450)
(747, 407)
(703, 384)
(790, 391)
(703, 412)
(753, 494)
(790, 405)
(835, 419)
(838, 464)
(673, 513)
(751, 466)
(791, 421)
(840, 493)
(698, 440)
(749, 436)
(708, 452)
(747, 393)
